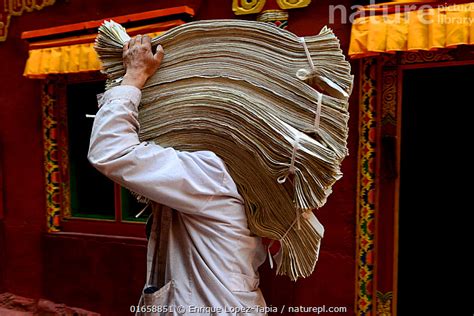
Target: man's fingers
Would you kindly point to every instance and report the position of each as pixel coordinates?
(138, 40)
(159, 54)
(146, 40)
(132, 42)
(124, 52)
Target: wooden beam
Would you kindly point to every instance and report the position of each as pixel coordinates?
(89, 38)
(1, 189)
(92, 25)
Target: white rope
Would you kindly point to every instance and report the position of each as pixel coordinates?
(308, 55)
(320, 95)
(317, 117)
(291, 169)
(270, 258)
(143, 210)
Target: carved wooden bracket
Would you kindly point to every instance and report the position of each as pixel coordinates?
(9, 8)
(241, 7)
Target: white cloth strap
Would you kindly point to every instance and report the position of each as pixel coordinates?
(308, 55)
(295, 221)
(317, 117)
(291, 169)
(320, 96)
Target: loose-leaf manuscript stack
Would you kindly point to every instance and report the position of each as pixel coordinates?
(272, 105)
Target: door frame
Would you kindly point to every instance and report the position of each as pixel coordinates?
(378, 182)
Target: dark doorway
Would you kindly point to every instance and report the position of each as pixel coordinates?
(435, 141)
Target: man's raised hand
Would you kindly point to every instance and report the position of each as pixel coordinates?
(139, 61)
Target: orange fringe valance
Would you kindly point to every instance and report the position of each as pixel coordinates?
(63, 59)
(423, 29)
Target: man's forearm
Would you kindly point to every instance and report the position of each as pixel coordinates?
(181, 180)
(134, 79)
(115, 129)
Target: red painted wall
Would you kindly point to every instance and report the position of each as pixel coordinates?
(106, 275)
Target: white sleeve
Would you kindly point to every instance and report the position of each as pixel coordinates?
(185, 181)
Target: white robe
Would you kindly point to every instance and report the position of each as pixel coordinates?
(212, 257)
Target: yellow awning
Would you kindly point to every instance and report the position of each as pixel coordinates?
(63, 54)
(424, 29)
(64, 59)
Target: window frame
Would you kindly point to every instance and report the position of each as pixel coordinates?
(54, 113)
(57, 169)
(1, 185)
